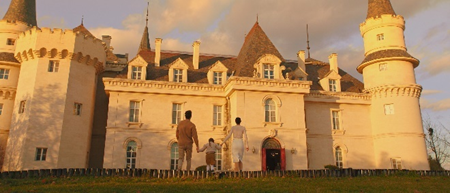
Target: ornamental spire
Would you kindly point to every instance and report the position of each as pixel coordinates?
(145, 43)
(22, 11)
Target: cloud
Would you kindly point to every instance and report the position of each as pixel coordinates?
(441, 105)
(431, 92)
(439, 64)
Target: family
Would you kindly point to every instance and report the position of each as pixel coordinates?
(187, 135)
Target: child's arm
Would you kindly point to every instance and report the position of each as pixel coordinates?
(202, 149)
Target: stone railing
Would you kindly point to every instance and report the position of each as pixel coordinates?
(164, 174)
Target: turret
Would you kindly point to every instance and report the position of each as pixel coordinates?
(388, 72)
(54, 104)
(20, 17)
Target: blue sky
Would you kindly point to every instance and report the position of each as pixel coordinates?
(221, 26)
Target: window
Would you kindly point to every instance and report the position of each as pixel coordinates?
(1, 108)
(136, 72)
(380, 37)
(53, 66)
(383, 67)
(389, 109)
(270, 110)
(177, 75)
(217, 78)
(217, 115)
(131, 154)
(41, 154)
(338, 156)
(268, 71)
(174, 156)
(336, 120)
(134, 111)
(219, 159)
(396, 163)
(4, 73)
(333, 85)
(22, 107)
(77, 108)
(176, 113)
(10, 42)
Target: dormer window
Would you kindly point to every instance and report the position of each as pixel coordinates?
(380, 37)
(136, 72)
(333, 85)
(177, 75)
(268, 70)
(217, 78)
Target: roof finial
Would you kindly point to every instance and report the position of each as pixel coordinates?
(307, 40)
(257, 18)
(146, 19)
(82, 19)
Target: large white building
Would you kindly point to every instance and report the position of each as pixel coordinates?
(66, 101)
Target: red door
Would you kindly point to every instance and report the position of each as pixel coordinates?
(283, 159)
(263, 164)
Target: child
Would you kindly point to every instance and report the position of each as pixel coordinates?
(210, 148)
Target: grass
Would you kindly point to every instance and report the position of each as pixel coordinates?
(408, 183)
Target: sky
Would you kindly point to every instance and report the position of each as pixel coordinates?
(221, 26)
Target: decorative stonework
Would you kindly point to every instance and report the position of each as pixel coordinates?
(62, 54)
(395, 91)
(7, 93)
(340, 95)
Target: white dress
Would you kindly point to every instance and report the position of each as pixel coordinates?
(239, 137)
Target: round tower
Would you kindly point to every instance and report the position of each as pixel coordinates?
(54, 104)
(21, 16)
(388, 72)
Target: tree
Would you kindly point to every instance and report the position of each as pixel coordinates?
(438, 143)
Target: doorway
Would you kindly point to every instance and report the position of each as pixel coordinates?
(273, 156)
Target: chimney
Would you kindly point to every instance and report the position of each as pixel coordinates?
(158, 42)
(107, 40)
(333, 62)
(301, 59)
(196, 54)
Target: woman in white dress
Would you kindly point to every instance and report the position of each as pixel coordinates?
(237, 148)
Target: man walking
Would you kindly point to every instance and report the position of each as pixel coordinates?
(186, 135)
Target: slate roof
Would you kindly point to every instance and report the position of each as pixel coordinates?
(145, 43)
(392, 53)
(256, 44)
(83, 30)
(379, 7)
(8, 57)
(23, 11)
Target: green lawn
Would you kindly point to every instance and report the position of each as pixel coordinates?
(269, 184)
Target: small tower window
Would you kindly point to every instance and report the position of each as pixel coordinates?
(389, 109)
(53, 66)
(383, 67)
(77, 108)
(22, 107)
(41, 154)
(396, 163)
(380, 37)
(4, 73)
(10, 42)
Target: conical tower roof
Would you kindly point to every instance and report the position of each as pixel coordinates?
(22, 11)
(256, 44)
(145, 42)
(379, 7)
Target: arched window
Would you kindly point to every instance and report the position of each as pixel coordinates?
(174, 156)
(270, 111)
(338, 156)
(131, 154)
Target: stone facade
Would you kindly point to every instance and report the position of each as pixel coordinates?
(301, 114)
